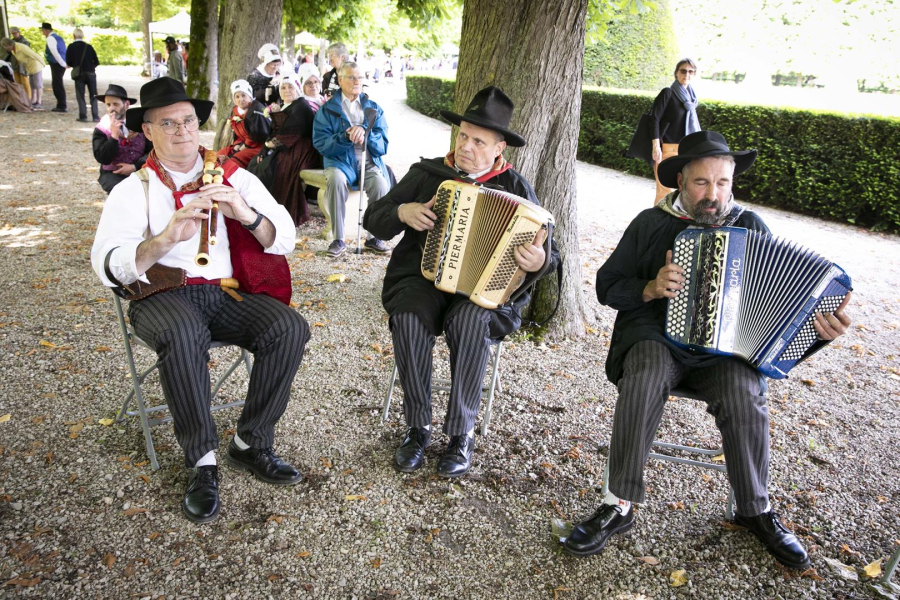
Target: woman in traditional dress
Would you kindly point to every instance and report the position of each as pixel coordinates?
(265, 77)
(673, 116)
(249, 124)
(292, 139)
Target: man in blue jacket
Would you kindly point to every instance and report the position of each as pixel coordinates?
(55, 56)
(338, 133)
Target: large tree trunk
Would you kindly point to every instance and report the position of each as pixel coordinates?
(202, 68)
(146, 18)
(245, 27)
(290, 32)
(533, 51)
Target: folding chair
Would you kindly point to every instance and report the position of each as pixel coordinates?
(441, 384)
(889, 571)
(130, 338)
(686, 393)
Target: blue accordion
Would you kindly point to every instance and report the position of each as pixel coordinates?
(751, 295)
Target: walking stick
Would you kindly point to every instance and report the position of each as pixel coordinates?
(369, 121)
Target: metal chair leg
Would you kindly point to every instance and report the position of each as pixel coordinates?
(493, 386)
(390, 394)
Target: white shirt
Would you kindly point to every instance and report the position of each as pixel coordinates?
(354, 112)
(125, 219)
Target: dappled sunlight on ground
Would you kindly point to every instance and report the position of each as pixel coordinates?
(24, 237)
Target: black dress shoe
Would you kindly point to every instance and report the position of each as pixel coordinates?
(411, 453)
(457, 459)
(201, 497)
(778, 540)
(590, 536)
(264, 463)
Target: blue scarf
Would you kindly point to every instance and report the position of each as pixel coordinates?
(689, 98)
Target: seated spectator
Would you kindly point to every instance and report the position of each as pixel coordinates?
(158, 66)
(338, 133)
(33, 64)
(249, 124)
(119, 151)
(291, 140)
(10, 91)
(337, 56)
(264, 79)
(81, 54)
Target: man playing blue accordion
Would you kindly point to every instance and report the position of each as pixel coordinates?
(637, 280)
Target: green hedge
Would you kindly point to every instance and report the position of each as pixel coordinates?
(115, 50)
(845, 168)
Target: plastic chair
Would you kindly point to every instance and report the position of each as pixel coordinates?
(686, 393)
(441, 384)
(130, 339)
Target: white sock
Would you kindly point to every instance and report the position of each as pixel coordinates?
(613, 500)
(471, 433)
(208, 459)
(427, 427)
(240, 443)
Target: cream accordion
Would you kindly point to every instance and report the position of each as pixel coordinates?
(751, 295)
(470, 249)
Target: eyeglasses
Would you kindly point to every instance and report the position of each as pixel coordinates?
(686, 71)
(351, 77)
(191, 124)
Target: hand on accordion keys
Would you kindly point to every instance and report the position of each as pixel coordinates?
(531, 256)
(417, 215)
(667, 283)
(828, 327)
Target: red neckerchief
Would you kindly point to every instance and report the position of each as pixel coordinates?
(500, 166)
(190, 187)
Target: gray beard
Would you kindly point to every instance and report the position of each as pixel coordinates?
(701, 217)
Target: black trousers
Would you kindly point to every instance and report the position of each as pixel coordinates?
(180, 324)
(59, 90)
(108, 180)
(88, 80)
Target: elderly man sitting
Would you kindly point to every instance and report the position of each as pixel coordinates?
(120, 152)
(338, 134)
(150, 228)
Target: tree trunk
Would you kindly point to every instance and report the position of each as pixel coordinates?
(290, 32)
(245, 27)
(146, 18)
(202, 68)
(533, 51)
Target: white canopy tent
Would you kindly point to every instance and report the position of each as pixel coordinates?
(180, 24)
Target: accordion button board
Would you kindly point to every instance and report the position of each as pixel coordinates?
(470, 250)
(751, 295)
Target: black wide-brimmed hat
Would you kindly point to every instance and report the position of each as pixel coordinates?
(161, 92)
(116, 91)
(491, 109)
(701, 144)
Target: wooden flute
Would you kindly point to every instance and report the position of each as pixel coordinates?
(212, 173)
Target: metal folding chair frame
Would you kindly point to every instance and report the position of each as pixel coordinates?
(441, 384)
(685, 393)
(130, 339)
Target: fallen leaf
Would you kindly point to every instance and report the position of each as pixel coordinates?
(47, 344)
(376, 562)
(677, 578)
(154, 535)
(22, 582)
(325, 462)
(276, 518)
(5, 418)
(274, 576)
(73, 478)
(808, 382)
(339, 277)
(873, 569)
(133, 511)
(718, 458)
(811, 574)
(355, 497)
(75, 429)
(303, 554)
(650, 560)
(102, 349)
(177, 561)
(845, 571)
(106, 422)
(145, 478)
(109, 560)
(27, 160)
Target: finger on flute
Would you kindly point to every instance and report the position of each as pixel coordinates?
(213, 223)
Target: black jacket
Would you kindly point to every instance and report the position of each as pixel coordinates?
(667, 116)
(74, 53)
(405, 289)
(259, 83)
(637, 259)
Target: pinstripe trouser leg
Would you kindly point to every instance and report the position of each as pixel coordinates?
(650, 373)
(180, 324)
(413, 344)
(735, 395)
(467, 328)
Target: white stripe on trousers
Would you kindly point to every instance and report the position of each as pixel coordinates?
(735, 395)
(466, 328)
(180, 324)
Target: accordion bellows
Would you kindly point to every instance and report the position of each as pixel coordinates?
(751, 295)
(470, 249)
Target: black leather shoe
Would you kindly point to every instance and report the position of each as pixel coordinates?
(457, 459)
(201, 497)
(264, 463)
(778, 540)
(590, 536)
(411, 453)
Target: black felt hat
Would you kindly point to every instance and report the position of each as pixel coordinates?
(701, 144)
(161, 92)
(116, 91)
(491, 109)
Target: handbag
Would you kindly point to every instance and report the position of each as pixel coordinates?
(77, 72)
(641, 146)
(264, 165)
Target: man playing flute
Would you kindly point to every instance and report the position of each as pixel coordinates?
(152, 220)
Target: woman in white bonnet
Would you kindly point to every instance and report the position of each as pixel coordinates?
(265, 77)
(249, 124)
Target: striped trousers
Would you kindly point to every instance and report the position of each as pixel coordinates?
(180, 324)
(734, 394)
(467, 329)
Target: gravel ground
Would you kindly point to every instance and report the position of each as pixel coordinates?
(82, 514)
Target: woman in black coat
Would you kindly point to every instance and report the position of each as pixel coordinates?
(265, 78)
(673, 116)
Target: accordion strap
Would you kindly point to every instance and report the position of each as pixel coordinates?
(548, 249)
